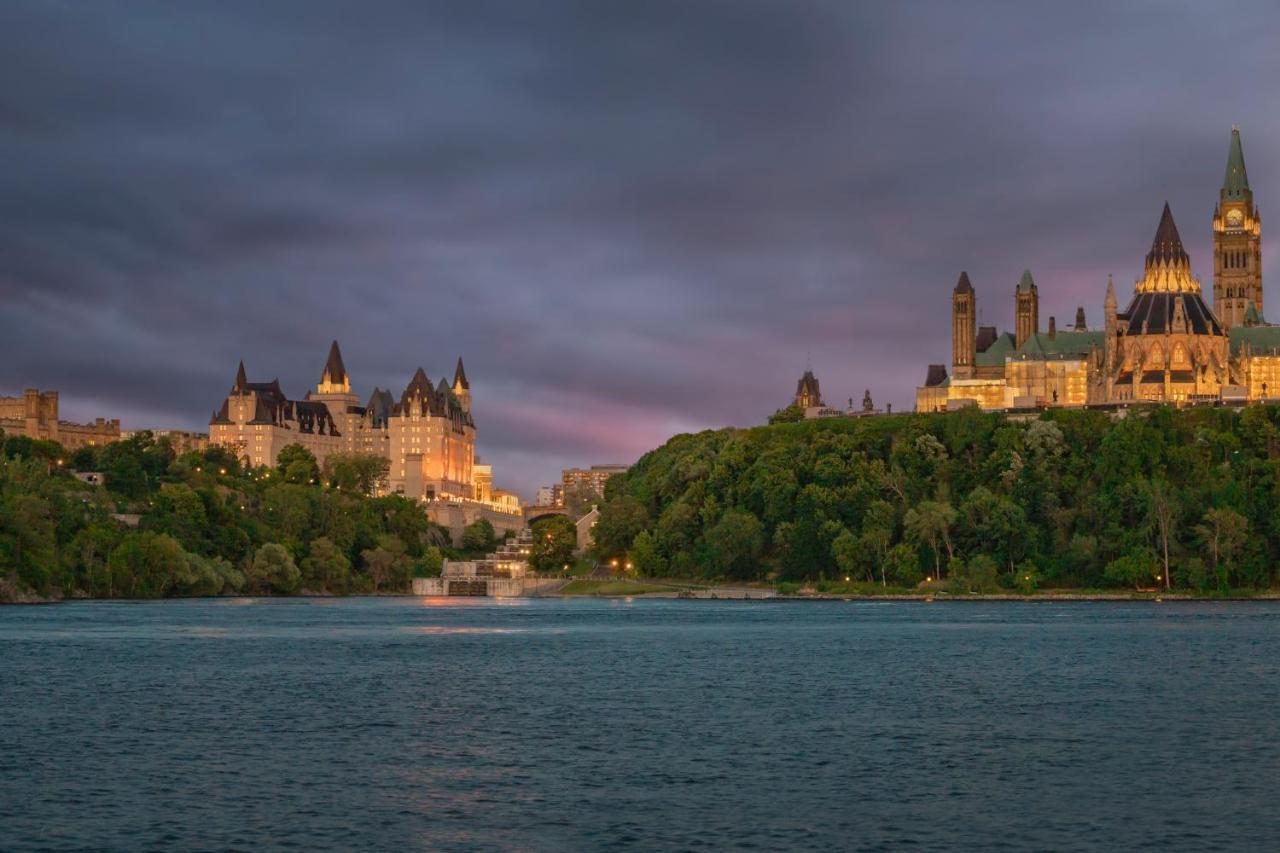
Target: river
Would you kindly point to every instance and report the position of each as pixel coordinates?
(549, 724)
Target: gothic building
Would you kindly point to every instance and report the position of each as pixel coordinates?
(1167, 345)
(427, 434)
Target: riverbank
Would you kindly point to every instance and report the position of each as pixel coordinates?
(628, 588)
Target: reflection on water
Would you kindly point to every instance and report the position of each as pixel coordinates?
(426, 724)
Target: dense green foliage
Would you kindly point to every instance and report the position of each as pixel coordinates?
(204, 525)
(1184, 498)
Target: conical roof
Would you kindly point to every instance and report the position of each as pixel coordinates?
(241, 380)
(335, 372)
(460, 376)
(1167, 245)
(963, 285)
(1236, 181)
(1026, 284)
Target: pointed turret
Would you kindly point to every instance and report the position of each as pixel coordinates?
(241, 380)
(1168, 267)
(1167, 245)
(963, 285)
(1026, 284)
(1110, 302)
(461, 387)
(334, 377)
(1236, 182)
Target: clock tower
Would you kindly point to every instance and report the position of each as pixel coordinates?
(1237, 243)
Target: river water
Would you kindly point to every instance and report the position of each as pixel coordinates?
(546, 724)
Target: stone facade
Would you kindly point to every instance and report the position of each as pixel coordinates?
(35, 415)
(427, 435)
(1167, 345)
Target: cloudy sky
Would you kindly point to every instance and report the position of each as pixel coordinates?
(631, 219)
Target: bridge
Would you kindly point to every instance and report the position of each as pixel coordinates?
(537, 513)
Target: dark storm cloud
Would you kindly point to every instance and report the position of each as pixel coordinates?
(631, 219)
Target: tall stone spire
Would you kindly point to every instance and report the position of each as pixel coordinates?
(1237, 243)
(1236, 182)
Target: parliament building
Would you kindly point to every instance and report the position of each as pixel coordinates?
(1167, 345)
(427, 434)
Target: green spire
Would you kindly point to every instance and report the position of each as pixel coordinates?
(1236, 183)
(1026, 285)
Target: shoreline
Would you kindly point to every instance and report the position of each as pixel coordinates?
(729, 595)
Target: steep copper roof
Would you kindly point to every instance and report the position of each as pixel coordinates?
(1154, 313)
(936, 376)
(1236, 182)
(241, 379)
(1167, 245)
(335, 372)
(963, 285)
(986, 337)
(460, 376)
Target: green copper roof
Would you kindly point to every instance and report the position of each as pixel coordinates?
(1063, 345)
(1026, 285)
(1260, 339)
(1237, 180)
(993, 356)
(1251, 315)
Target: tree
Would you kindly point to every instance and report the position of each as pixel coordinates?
(326, 568)
(273, 571)
(788, 415)
(144, 563)
(878, 523)
(1224, 532)
(357, 473)
(735, 543)
(297, 465)
(929, 524)
(847, 551)
(387, 564)
(478, 536)
(1135, 568)
(619, 523)
(903, 565)
(644, 557)
(1161, 516)
(554, 540)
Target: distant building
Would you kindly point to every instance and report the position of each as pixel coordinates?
(35, 415)
(180, 440)
(807, 394)
(1168, 345)
(590, 479)
(549, 495)
(427, 435)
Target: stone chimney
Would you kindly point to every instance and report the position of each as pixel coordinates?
(1053, 329)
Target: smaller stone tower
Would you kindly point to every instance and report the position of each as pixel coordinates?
(964, 328)
(1026, 309)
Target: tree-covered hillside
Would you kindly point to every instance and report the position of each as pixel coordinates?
(1188, 498)
(199, 524)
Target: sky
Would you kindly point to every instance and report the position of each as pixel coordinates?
(630, 219)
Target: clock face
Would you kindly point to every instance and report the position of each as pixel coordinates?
(1235, 218)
